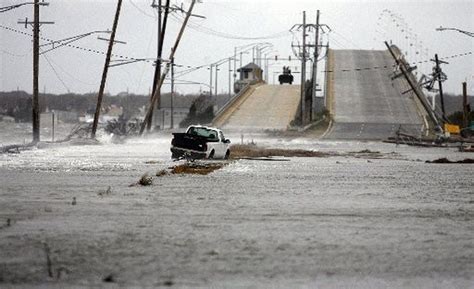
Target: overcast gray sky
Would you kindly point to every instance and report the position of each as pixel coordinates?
(355, 25)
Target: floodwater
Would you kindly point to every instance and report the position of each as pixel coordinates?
(335, 222)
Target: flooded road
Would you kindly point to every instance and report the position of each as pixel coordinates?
(333, 222)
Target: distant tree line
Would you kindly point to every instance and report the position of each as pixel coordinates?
(200, 112)
(17, 104)
(454, 109)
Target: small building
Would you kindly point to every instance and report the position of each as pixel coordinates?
(249, 74)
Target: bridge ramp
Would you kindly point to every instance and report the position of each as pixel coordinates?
(368, 104)
(266, 107)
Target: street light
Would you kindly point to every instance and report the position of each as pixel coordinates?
(455, 29)
(11, 7)
(66, 41)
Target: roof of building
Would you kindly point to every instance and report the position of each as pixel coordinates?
(249, 67)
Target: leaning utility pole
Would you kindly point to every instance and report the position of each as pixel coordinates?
(405, 72)
(158, 61)
(440, 84)
(303, 71)
(163, 75)
(106, 69)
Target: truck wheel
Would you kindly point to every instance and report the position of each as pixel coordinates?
(211, 155)
(281, 83)
(227, 155)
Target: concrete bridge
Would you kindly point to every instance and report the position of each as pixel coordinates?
(261, 107)
(365, 104)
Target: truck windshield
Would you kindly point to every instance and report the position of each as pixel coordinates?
(204, 132)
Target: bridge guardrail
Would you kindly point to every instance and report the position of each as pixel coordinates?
(231, 102)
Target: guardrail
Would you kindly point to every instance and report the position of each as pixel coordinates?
(231, 102)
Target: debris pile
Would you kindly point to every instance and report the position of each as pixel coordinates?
(197, 168)
(446, 161)
(253, 151)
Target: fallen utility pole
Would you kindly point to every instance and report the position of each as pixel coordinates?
(106, 69)
(415, 89)
(163, 75)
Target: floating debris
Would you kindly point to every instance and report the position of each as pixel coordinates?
(253, 151)
(446, 161)
(162, 173)
(197, 168)
(106, 192)
(109, 278)
(145, 180)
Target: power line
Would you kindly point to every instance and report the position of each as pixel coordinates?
(210, 31)
(191, 68)
(56, 73)
(141, 10)
(361, 69)
(146, 60)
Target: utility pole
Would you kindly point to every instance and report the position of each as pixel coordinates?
(240, 60)
(158, 60)
(235, 63)
(215, 88)
(303, 71)
(172, 93)
(35, 100)
(465, 105)
(106, 69)
(405, 72)
(163, 75)
(440, 85)
(315, 68)
(308, 113)
(160, 40)
(230, 84)
(36, 112)
(210, 80)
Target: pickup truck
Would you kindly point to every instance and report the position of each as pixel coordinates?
(200, 142)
